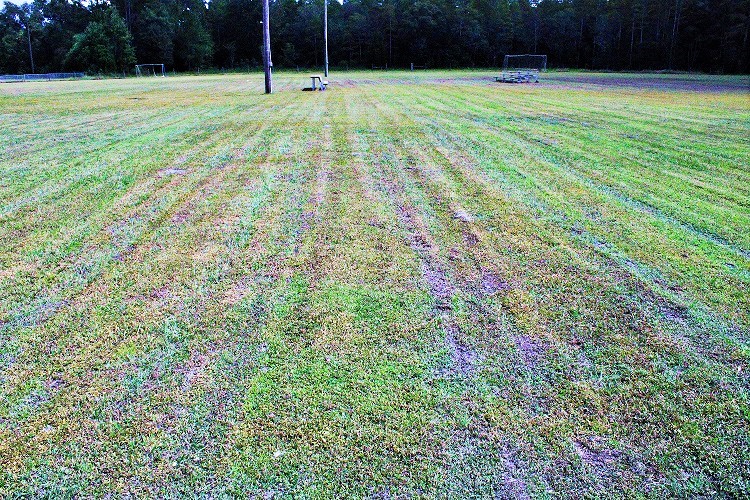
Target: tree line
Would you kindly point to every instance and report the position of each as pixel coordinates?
(188, 35)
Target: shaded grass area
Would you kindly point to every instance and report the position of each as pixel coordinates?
(414, 284)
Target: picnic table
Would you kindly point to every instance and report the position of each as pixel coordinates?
(318, 78)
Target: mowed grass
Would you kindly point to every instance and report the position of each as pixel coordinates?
(410, 285)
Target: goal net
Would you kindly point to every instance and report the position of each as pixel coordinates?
(150, 70)
(522, 68)
(532, 62)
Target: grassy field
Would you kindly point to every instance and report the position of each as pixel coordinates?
(410, 285)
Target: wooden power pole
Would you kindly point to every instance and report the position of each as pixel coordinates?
(267, 65)
(325, 37)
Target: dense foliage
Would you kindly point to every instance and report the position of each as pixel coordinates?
(51, 35)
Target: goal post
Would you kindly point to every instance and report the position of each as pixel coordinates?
(522, 68)
(150, 70)
(531, 62)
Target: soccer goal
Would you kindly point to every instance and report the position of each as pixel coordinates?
(149, 70)
(522, 68)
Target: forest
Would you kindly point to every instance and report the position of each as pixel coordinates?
(192, 35)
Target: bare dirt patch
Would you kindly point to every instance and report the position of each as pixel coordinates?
(193, 370)
(440, 288)
(463, 358)
(673, 312)
(654, 82)
(172, 171)
(595, 454)
(513, 486)
(492, 283)
(530, 350)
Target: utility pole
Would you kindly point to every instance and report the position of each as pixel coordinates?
(267, 64)
(31, 52)
(325, 37)
(24, 17)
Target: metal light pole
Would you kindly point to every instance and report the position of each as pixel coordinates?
(325, 37)
(267, 47)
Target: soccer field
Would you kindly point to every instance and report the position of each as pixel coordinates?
(409, 285)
